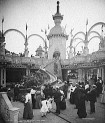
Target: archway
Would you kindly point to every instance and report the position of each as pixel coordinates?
(96, 24)
(56, 54)
(35, 35)
(17, 38)
(39, 36)
(73, 39)
(9, 30)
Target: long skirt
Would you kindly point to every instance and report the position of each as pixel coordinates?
(81, 109)
(33, 100)
(63, 104)
(72, 98)
(28, 112)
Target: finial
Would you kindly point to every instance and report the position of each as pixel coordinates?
(57, 6)
(2, 25)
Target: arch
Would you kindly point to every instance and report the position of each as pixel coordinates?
(36, 35)
(78, 43)
(96, 33)
(56, 54)
(96, 24)
(76, 35)
(79, 39)
(94, 37)
(79, 33)
(9, 30)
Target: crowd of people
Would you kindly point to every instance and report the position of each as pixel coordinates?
(44, 98)
(76, 93)
(79, 93)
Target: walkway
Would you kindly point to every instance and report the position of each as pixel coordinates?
(70, 114)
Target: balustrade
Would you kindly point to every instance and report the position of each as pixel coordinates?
(7, 111)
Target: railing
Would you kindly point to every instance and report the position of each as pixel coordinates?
(52, 76)
(7, 111)
(39, 61)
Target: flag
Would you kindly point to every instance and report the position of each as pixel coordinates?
(26, 26)
(87, 22)
(2, 19)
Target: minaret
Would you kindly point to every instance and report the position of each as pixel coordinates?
(57, 37)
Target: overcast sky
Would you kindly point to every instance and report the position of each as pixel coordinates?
(38, 15)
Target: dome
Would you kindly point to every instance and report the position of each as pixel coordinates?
(39, 49)
(57, 30)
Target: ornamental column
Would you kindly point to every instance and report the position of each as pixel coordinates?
(86, 42)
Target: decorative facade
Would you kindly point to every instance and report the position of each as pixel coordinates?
(12, 68)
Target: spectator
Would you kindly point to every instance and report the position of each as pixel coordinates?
(92, 98)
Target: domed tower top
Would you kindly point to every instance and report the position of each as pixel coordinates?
(57, 17)
(57, 30)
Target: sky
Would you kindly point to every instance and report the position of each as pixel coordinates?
(38, 15)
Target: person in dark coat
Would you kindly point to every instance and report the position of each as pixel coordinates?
(16, 92)
(76, 92)
(92, 98)
(99, 84)
(81, 107)
(57, 100)
(72, 95)
(46, 91)
(65, 89)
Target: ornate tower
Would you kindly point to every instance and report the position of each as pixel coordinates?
(57, 38)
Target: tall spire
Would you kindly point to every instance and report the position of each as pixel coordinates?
(58, 7)
(2, 26)
(58, 14)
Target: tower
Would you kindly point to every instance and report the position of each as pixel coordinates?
(57, 38)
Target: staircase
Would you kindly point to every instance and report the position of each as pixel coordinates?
(48, 68)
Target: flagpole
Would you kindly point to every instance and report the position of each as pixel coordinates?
(2, 25)
(86, 25)
(26, 29)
